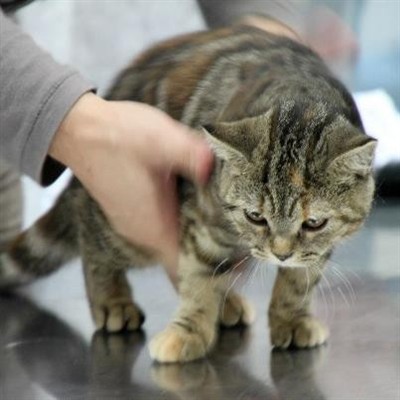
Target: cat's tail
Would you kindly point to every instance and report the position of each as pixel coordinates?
(43, 248)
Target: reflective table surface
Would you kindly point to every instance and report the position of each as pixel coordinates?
(49, 350)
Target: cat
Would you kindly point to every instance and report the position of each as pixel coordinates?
(292, 177)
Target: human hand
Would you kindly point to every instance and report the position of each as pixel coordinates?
(127, 156)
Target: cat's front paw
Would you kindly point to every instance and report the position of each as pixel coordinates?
(305, 331)
(177, 344)
(115, 316)
(236, 310)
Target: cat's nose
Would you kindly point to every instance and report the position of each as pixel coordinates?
(283, 257)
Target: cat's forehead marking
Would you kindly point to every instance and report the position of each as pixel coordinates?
(268, 198)
(296, 177)
(305, 207)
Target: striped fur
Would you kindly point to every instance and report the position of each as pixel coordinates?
(290, 147)
(46, 246)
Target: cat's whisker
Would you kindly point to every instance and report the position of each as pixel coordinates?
(307, 288)
(256, 270)
(230, 288)
(250, 270)
(349, 287)
(231, 272)
(343, 296)
(320, 290)
(345, 269)
(331, 301)
(258, 265)
(217, 268)
(242, 261)
(349, 271)
(249, 273)
(238, 264)
(264, 277)
(330, 313)
(345, 280)
(254, 273)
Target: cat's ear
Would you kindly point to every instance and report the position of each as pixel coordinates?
(355, 158)
(220, 138)
(238, 139)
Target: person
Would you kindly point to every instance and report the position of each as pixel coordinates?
(126, 154)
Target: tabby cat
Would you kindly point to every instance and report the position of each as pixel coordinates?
(292, 177)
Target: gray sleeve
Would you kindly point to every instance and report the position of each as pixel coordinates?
(35, 95)
(224, 12)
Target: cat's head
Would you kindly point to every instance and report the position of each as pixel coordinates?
(293, 187)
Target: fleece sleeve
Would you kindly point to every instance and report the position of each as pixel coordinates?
(36, 93)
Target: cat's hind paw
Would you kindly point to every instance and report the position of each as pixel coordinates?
(302, 332)
(177, 345)
(118, 316)
(236, 310)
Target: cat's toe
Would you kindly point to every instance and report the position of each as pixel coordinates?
(134, 317)
(115, 317)
(309, 332)
(236, 310)
(302, 332)
(281, 336)
(176, 344)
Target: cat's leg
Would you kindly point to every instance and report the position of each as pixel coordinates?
(109, 295)
(236, 311)
(193, 331)
(290, 319)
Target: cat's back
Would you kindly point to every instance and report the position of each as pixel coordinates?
(171, 73)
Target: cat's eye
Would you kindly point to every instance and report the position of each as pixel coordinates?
(314, 224)
(255, 217)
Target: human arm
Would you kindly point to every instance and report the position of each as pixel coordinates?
(36, 94)
(125, 154)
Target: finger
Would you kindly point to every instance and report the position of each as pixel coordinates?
(169, 246)
(189, 155)
(167, 209)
